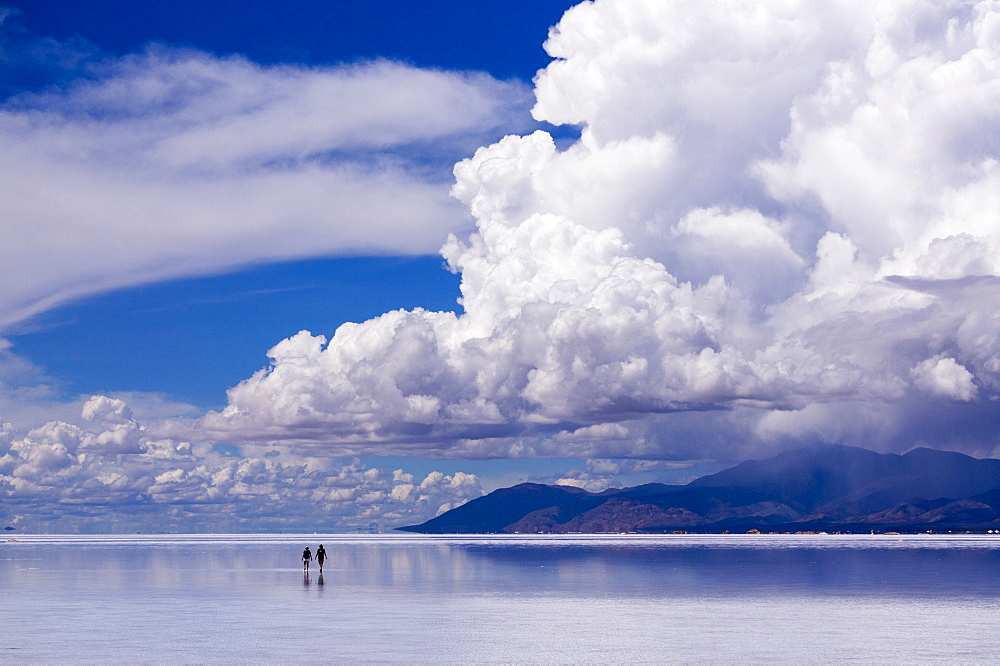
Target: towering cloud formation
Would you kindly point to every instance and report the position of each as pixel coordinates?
(781, 221)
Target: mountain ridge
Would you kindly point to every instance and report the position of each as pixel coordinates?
(816, 488)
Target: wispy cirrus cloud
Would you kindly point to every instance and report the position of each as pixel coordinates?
(177, 162)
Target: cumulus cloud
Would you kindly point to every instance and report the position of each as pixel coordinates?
(944, 377)
(62, 477)
(172, 163)
(772, 208)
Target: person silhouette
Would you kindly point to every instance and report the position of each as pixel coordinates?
(306, 558)
(320, 556)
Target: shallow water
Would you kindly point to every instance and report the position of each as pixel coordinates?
(227, 598)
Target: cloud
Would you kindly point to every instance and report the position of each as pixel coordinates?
(176, 162)
(776, 215)
(944, 377)
(560, 326)
(779, 224)
(30, 397)
(62, 477)
(599, 474)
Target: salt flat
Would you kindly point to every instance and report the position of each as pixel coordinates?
(239, 598)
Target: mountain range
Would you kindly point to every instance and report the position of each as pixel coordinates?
(818, 488)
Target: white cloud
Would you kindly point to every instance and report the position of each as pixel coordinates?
(177, 163)
(61, 477)
(599, 474)
(561, 323)
(776, 213)
(893, 140)
(944, 377)
(107, 411)
(780, 224)
(710, 83)
(594, 486)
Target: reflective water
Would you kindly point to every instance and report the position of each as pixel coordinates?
(501, 599)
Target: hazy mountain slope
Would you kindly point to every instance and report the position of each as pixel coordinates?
(843, 480)
(815, 487)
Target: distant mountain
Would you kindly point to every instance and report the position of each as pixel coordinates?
(844, 480)
(823, 487)
(494, 512)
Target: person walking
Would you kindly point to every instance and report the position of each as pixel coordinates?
(320, 556)
(306, 558)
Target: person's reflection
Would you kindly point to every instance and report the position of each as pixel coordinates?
(319, 581)
(305, 579)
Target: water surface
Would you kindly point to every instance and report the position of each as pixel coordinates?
(212, 598)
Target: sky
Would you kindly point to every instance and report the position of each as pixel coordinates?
(344, 266)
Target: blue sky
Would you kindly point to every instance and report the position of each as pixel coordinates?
(502, 38)
(148, 338)
(347, 265)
